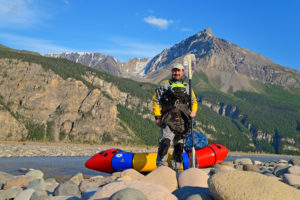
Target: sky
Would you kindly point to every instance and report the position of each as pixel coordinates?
(143, 28)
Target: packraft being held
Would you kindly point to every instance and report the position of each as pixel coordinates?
(171, 103)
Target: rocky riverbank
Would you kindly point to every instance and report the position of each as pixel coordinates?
(240, 179)
(29, 149)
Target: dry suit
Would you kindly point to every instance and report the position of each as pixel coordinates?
(171, 104)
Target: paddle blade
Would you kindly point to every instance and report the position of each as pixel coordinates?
(193, 161)
(189, 63)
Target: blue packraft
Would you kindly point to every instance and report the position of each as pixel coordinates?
(200, 142)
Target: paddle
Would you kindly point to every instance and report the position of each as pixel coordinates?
(190, 63)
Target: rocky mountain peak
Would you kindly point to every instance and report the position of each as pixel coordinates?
(206, 32)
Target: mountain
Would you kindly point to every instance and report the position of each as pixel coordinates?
(225, 64)
(250, 105)
(109, 64)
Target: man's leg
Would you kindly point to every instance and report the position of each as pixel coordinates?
(176, 161)
(164, 145)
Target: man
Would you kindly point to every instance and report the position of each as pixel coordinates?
(172, 114)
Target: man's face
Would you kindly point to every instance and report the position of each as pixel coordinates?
(177, 74)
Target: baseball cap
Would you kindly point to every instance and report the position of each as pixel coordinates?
(177, 66)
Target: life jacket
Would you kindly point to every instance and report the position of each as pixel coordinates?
(175, 102)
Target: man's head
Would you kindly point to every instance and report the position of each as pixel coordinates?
(177, 71)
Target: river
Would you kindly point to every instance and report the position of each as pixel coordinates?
(64, 167)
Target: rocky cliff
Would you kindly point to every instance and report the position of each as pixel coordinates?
(36, 101)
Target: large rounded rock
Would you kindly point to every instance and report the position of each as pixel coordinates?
(93, 182)
(150, 190)
(10, 193)
(294, 170)
(163, 176)
(68, 188)
(128, 194)
(19, 181)
(34, 174)
(77, 178)
(228, 163)
(38, 184)
(236, 185)
(193, 177)
(295, 161)
(189, 192)
(130, 174)
(291, 179)
(279, 170)
(4, 177)
(25, 195)
(250, 167)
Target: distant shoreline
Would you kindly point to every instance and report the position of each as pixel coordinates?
(19, 148)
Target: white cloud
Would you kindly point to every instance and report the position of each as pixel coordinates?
(32, 44)
(158, 22)
(17, 13)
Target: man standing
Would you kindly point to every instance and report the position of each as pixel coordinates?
(172, 114)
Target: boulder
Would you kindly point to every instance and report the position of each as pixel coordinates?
(279, 170)
(128, 194)
(19, 181)
(25, 195)
(50, 185)
(93, 182)
(88, 193)
(242, 161)
(39, 195)
(77, 178)
(34, 174)
(193, 177)
(294, 170)
(10, 193)
(250, 167)
(4, 177)
(38, 184)
(291, 179)
(236, 185)
(188, 192)
(150, 190)
(163, 176)
(295, 161)
(130, 174)
(68, 188)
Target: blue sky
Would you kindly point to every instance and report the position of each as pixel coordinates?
(143, 28)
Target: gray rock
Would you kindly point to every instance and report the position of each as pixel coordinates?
(25, 195)
(4, 177)
(197, 193)
(237, 185)
(51, 184)
(291, 179)
(68, 188)
(93, 182)
(34, 174)
(295, 161)
(128, 194)
(10, 193)
(294, 170)
(38, 184)
(77, 178)
(39, 194)
(280, 170)
(250, 167)
(88, 193)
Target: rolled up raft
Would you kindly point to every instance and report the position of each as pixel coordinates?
(113, 160)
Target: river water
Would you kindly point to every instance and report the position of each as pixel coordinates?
(64, 167)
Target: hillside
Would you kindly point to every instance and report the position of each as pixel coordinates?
(55, 99)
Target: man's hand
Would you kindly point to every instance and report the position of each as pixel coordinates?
(193, 114)
(158, 122)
